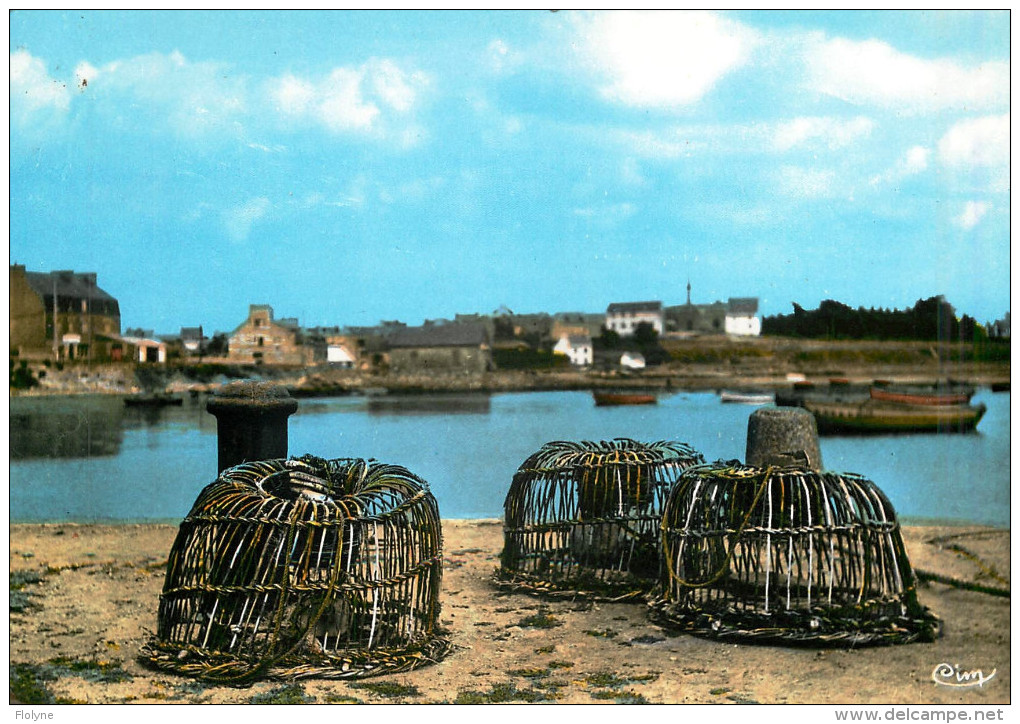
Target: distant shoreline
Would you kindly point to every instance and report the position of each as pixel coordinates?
(706, 363)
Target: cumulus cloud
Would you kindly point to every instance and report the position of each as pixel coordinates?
(875, 73)
(833, 133)
(973, 212)
(977, 142)
(35, 95)
(976, 151)
(661, 60)
(352, 99)
(239, 220)
(913, 162)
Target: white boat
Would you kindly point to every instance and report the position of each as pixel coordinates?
(747, 398)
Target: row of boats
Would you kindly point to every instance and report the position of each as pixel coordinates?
(843, 408)
(884, 407)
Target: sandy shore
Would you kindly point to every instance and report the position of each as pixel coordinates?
(84, 599)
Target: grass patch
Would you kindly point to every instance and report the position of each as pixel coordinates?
(545, 649)
(561, 664)
(388, 689)
(542, 619)
(620, 697)
(609, 680)
(501, 694)
(603, 634)
(342, 699)
(289, 694)
(107, 672)
(530, 673)
(27, 685)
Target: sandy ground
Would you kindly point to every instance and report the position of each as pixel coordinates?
(76, 630)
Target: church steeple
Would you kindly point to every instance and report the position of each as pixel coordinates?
(688, 292)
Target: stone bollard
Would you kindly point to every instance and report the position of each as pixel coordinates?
(251, 421)
(783, 436)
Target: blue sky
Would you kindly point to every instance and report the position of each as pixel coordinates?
(350, 167)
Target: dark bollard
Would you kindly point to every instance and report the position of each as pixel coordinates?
(783, 436)
(251, 421)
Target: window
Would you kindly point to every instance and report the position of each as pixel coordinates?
(261, 341)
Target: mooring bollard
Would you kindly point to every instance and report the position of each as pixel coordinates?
(783, 436)
(251, 421)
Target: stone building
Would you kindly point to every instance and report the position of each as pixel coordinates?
(63, 315)
(449, 348)
(262, 340)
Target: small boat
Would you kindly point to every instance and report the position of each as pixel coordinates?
(873, 416)
(747, 398)
(923, 395)
(608, 399)
(153, 400)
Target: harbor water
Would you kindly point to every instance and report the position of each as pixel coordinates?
(91, 459)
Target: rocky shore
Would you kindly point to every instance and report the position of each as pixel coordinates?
(84, 598)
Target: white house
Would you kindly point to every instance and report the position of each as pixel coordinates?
(624, 317)
(577, 347)
(742, 317)
(146, 350)
(632, 361)
(338, 354)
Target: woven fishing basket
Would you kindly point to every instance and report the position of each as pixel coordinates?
(786, 555)
(582, 518)
(288, 569)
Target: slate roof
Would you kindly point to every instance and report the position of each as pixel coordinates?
(72, 287)
(633, 307)
(441, 335)
(743, 305)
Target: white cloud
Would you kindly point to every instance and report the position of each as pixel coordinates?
(240, 219)
(873, 72)
(976, 152)
(151, 90)
(833, 133)
(34, 94)
(913, 162)
(977, 142)
(973, 212)
(806, 182)
(661, 59)
(353, 99)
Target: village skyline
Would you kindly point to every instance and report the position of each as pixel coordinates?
(353, 167)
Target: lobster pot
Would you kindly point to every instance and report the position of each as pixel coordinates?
(786, 555)
(303, 568)
(583, 518)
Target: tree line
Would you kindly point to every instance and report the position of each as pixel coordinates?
(929, 319)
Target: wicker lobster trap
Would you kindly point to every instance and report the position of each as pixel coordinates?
(786, 555)
(301, 568)
(582, 518)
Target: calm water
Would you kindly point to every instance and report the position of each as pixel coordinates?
(92, 459)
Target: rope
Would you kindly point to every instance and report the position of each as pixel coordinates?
(673, 576)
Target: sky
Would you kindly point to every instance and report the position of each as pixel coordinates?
(353, 167)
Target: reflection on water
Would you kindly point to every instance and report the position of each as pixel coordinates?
(73, 428)
(89, 425)
(443, 404)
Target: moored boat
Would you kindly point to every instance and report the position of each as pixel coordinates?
(923, 395)
(873, 416)
(609, 399)
(747, 398)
